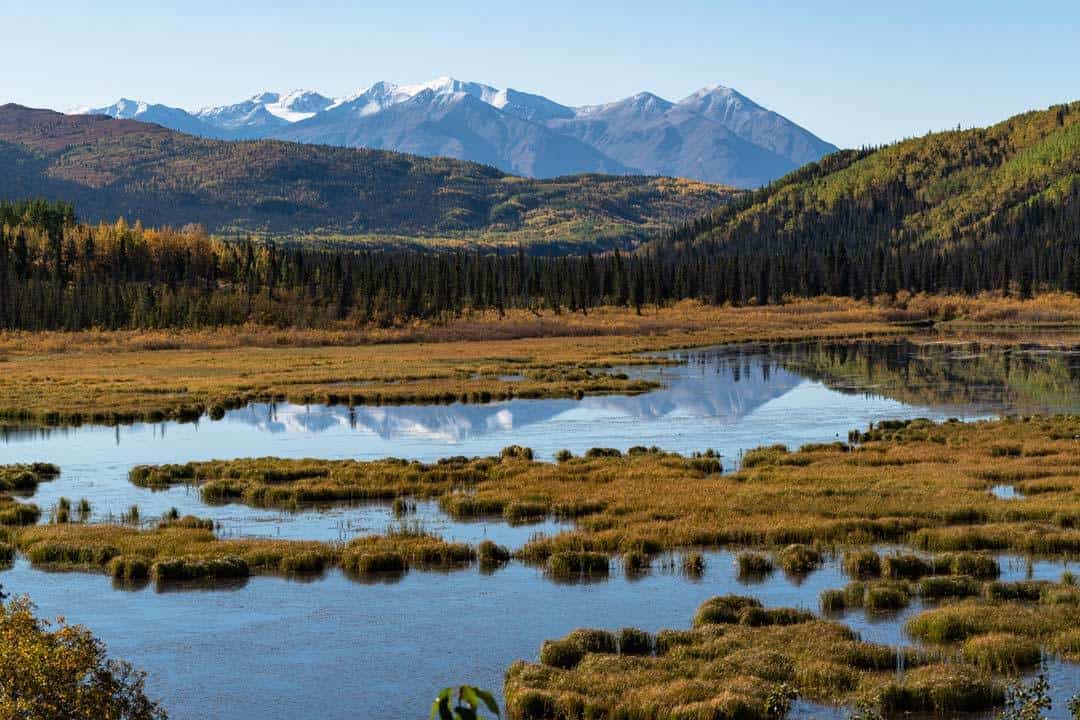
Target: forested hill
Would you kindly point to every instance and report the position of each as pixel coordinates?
(111, 168)
(1016, 182)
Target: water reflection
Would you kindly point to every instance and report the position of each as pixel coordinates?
(323, 648)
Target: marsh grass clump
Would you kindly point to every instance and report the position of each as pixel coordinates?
(402, 507)
(7, 555)
(368, 563)
(1025, 590)
(129, 569)
(885, 597)
(905, 567)
(942, 689)
(723, 610)
(517, 452)
(862, 564)
(491, 554)
(1002, 652)
(728, 668)
(753, 564)
(633, 641)
(189, 522)
(196, 568)
(799, 559)
(573, 563)
(833, 601)
(563, 654)
(25, 478)
(976, 565)
(956, 586)
(62, 513)
(131, 516)
(636, 562)
(569, 652)
(693, 564)
(598, 452)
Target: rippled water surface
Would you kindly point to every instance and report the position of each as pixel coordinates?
(274, 648)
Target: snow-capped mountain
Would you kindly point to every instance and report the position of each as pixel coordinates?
(715, 134)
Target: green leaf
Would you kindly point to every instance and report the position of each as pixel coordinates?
(489, 700)
(441, 707)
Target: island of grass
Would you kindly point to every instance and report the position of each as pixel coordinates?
(915, 482)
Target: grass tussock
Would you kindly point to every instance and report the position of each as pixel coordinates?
(728, 665)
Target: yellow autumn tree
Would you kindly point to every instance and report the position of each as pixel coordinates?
(61, 672)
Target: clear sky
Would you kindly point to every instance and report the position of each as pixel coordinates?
(852, 72)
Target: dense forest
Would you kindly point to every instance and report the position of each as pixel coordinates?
(56, 273)
(122, 168)
(965, 210)
(994, 209)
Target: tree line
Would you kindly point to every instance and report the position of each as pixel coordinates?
(57, 273)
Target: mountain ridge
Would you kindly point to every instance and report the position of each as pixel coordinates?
(110, 168)
(519, 132)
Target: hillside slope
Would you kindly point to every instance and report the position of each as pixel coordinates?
(1017, 181)
(110, 168)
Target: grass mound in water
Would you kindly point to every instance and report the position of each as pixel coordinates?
(724, 668)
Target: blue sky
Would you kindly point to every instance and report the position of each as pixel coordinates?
(852, 75)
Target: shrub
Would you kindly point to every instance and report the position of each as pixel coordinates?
(564, 456)
(597, 452)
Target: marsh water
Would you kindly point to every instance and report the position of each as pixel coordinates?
(332, 647)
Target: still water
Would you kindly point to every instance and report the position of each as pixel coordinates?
(335, 648)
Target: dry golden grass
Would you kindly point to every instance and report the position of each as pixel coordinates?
(734, 664)
(123, 376)
(922, 483)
